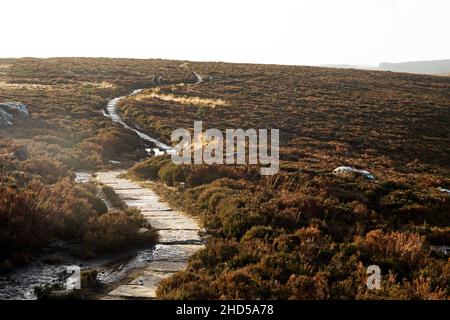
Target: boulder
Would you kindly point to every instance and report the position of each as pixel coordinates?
(5, 118)
(444, 190)
(10, 110)
(366, 174)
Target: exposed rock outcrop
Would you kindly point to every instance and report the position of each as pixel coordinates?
(444, 190)
(11, 110)
(366, 174)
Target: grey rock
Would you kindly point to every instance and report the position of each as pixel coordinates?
(444, 190)
(344, 169)
(9, 110)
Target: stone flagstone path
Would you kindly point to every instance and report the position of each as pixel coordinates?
(178, 236)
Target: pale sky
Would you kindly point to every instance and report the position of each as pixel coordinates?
(299, 32)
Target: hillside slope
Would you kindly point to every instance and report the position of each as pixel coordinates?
(424, 67)
(308, 232)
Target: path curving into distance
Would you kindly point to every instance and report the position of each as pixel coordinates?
(112, 113)
(179, 234)
(179, 239)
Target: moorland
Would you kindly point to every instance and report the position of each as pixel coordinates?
(304, 233)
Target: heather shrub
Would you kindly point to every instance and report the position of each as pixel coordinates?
(113, 197)
(405, 247)
(37, 213)
(215, 253)
(114, 231)
(148, 169)
(241, 285)
(259, 232)
(24, 225)
(187, 286)
(49, 169)
(308, 287)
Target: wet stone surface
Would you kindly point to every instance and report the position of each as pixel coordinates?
(178, 239)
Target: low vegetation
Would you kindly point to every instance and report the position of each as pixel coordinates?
(38, 205)
(66, 131)
(299, 235)
(113, 198)
(303, 233)
(307, 233)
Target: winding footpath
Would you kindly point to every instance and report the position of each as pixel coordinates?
(179, 238)
(179, 234)
(112, 113)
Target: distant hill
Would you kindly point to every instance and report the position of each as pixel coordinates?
(349, 66)
(424, 67)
